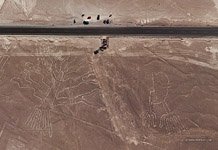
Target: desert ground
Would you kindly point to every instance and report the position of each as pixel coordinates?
(141, 93)
(125, 12)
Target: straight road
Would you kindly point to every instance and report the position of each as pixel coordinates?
(110, 31)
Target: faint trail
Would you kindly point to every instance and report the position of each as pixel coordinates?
(86, 122)
(165, 58)
(2, 3)
(105, 97)
(193, 122)
(2, 130)
(3, 60)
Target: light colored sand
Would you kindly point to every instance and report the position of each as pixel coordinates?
(140, 12)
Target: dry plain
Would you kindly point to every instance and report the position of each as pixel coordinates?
(125, 12)
(141, 93)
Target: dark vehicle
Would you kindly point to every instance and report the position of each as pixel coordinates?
(86, 22)
(98, 17)
(107, 21)
(96, 51)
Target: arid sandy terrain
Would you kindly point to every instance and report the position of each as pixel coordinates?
(125, 12)
(141, 93)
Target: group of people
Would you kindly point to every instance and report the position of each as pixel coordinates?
(104, 45)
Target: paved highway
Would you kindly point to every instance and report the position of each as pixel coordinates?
(110, 31)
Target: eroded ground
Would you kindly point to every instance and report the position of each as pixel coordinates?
(142, 93)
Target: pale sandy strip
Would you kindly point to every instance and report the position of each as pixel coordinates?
(73, 53)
